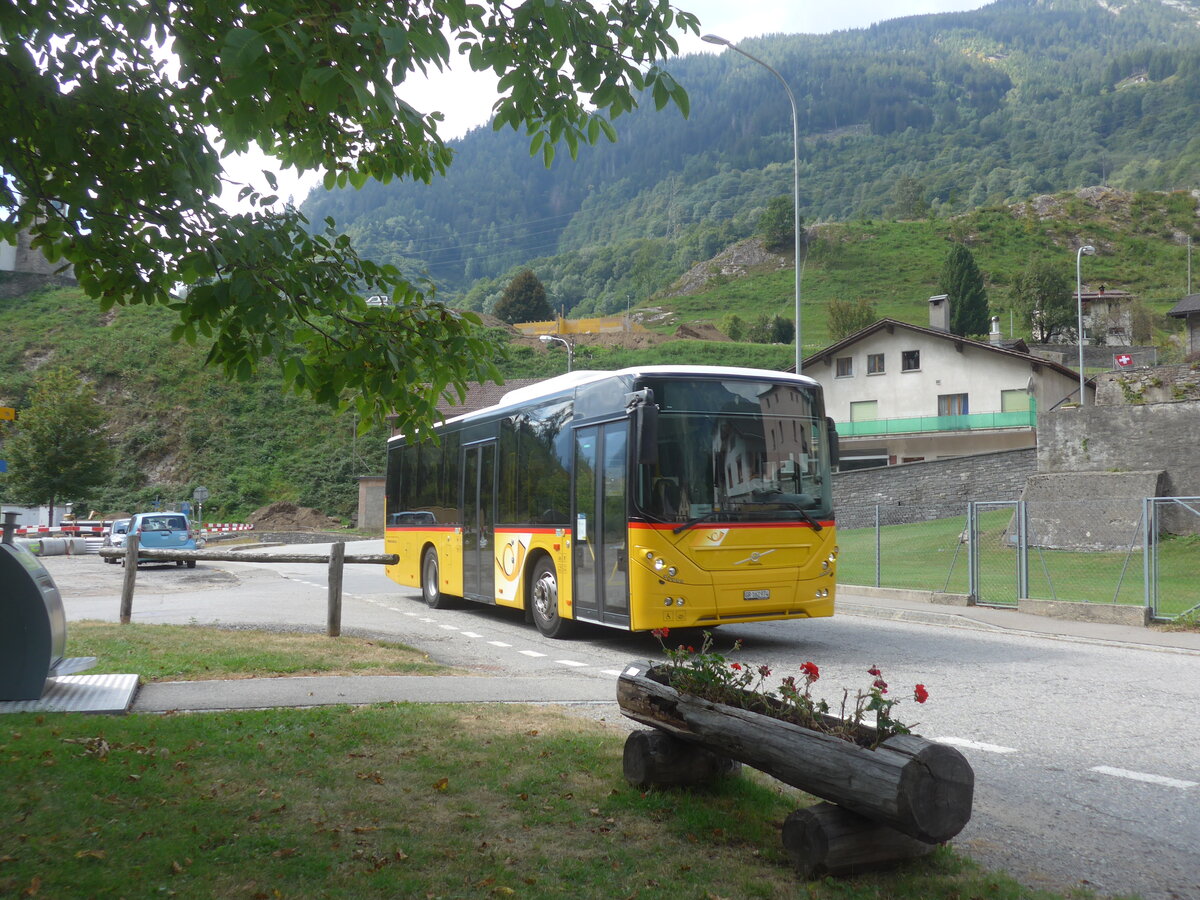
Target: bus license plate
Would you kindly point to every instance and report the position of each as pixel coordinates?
(761, 594)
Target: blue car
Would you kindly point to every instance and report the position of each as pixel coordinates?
(164, 531)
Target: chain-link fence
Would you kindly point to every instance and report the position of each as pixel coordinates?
(1128, 551)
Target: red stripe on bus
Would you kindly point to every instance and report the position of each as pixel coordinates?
(656, 526)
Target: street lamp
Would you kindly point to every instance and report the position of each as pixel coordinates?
(547, 338)
(1089, 250)
(717, 39)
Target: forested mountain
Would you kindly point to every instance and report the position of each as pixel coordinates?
(958, 110)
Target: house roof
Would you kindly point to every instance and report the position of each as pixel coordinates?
(890, 325)
(1188, 305)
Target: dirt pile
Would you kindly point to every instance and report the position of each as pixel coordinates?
(284, 516)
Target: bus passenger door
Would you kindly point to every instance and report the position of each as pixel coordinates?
(601, 523)
(479, 522)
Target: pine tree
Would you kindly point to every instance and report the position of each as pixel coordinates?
(524, 300)
(962, 282)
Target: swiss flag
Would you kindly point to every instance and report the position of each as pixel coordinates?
(1123, 360)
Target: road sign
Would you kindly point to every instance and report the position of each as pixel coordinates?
(200, 494)
(7, 412)
(3, 465)
(1123, 360)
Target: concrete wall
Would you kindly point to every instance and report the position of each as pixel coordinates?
(370, 502)
(943, 487)
(1159, 436)
(1088, 510)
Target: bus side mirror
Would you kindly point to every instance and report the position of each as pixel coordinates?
(645, 425)
(834, 455)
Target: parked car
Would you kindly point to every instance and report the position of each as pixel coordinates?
(164, 531)
(116, 537)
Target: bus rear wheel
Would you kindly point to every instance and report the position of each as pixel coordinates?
(543, 601)
(431, 581)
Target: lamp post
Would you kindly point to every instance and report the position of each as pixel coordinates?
(716, 39)
(548, 338)
(1089, 250)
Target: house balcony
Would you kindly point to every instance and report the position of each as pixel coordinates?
(993, 421)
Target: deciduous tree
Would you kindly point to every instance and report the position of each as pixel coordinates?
(524, 300)
(846, 317)
(59, 450)
(1042, 295)
(118, 115)
(777, 224)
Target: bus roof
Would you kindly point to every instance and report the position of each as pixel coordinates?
(560, 384)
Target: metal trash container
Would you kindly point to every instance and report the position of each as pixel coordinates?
(33, 625)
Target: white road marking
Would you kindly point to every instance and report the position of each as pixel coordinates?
(499, 644)
(616, 673)
(975, 745)
(1142, 776)
(448, 627)
(531, 653)
(569, 662)
(471, 634)
(413, 614)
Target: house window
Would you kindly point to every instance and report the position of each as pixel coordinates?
(845, 366)
(874, 363)
(1014, 401)
(910, 360)
(864, 410)
(952, 405)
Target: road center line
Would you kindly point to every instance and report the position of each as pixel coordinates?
(1142, 776)
(499, 644)
(975, 745)
(532, 653)
(569, 662)
(471, 634)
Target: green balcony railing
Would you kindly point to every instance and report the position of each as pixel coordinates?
(1026, 418)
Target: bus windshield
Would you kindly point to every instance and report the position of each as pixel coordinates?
(737, 451)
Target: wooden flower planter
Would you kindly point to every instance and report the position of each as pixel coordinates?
(892, 802)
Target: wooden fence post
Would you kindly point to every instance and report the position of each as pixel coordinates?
(337, 555)
(131, 558)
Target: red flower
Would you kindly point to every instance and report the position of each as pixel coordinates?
(661, 632)
(764, 671)
(880, 685)
(691, 649)
(810, 671)
(737, 667)
(920, 694)
(874, 670)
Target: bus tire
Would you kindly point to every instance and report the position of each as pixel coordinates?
(191, 564)
(431, 581)
(543, 601)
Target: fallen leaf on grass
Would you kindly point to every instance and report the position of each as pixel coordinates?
(441, 784)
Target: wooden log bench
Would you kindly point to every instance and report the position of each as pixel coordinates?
(886, 804)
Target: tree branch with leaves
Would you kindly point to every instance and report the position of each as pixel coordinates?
(120, 114)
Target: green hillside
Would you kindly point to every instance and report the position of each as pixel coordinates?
(177, 425)
(967, 110)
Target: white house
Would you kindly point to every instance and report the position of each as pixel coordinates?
(906, 393)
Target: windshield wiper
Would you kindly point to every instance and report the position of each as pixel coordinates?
(768, 497)
(691, 523)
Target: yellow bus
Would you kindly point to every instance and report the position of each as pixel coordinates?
(650, 497)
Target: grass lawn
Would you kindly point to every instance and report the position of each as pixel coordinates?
(930, 556)
(392, 800)
(192, 653)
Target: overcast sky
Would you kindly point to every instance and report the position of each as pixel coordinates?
(465, 97)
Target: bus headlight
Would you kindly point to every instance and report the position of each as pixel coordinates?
(659, 564)
(672, 571)
(667, 601)
(679, 601)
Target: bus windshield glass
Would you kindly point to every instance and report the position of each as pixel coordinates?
(734, 450)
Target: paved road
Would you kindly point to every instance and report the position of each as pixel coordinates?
(1083, 739)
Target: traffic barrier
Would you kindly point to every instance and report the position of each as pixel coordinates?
(226, 526)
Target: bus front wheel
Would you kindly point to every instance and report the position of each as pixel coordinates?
(543, 601)
(431, 581)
